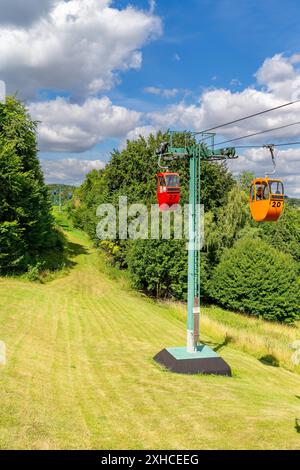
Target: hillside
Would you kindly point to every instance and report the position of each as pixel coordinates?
(80, 372)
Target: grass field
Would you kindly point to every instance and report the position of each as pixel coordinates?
(80, 373)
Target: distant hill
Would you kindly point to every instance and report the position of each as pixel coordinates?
(60, 193)
(295, 202)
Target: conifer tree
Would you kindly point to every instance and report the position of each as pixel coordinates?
(26, 224)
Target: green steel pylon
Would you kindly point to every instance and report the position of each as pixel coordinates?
(196, 153)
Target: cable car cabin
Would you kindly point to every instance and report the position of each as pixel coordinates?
(168, 190)
(266, 199)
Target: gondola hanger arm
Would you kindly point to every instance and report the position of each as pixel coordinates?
(271, 147)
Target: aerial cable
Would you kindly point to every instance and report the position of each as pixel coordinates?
(258, 133)
(261, 146)
(247, 117)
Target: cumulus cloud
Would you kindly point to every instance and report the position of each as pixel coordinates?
(143, 131)
(152, 6)
(281, 76)
(235, 82)
(71, 127)
(23, 12)
(220, 105)
(79, 45)
(276, 69)
(164, 92)
(137, 132)
(69, 170)
(278, 81)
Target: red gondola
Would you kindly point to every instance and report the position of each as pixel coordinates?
(168, 190)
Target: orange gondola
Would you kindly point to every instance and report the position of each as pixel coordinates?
(266, 199)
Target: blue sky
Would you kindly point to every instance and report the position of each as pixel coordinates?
(217, 41)
(96, 72)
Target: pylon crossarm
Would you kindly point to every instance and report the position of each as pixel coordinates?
(202, 151)
(217, 158)
(179, 151)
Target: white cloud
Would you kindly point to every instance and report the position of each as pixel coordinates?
(143, 131)
(68, 127)
(275, 69)
(235, 82)
(136, 133)
(281, 76)
(23, 12)
(295, 59)
(69, 170)
(165, 92)
(152, 6)
(281, 80)
(79, 46)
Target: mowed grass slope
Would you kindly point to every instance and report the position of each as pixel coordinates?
(269, 342)
(80, 373)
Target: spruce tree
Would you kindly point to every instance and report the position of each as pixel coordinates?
(26, 224)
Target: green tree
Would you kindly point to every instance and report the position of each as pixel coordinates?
(285, 233)
(26, 224)
(216, 183)
(245, 179)
(231, 222)
(86, 199)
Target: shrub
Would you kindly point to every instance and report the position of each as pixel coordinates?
(159, 267)
(254, 278)
(33, 273)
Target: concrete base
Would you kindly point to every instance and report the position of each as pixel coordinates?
(203, 361)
